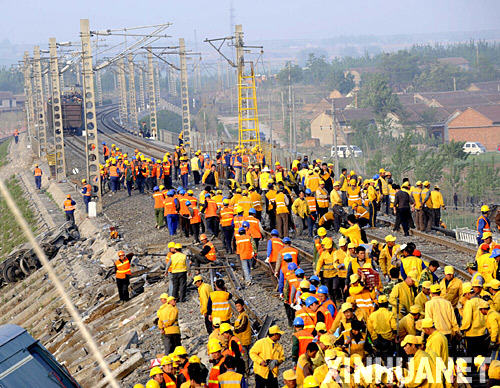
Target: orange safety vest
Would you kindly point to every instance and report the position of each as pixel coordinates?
(293, 284)
(305, 338)
(113, 171)
(238, 223)
(311, 202)
(244, 246)
(237, 163)
(211, 254)
(486, 224)
(122, 268)
(38, 171)
(184, 168)
(166, 168)
(68, 205)
(229, 351)
(88, 193)
(220, 305)
(169, 382)
(254, 227)
(169, 205)
(183, 209)
(211, 209)
(159, 198)
(295, 255)
(277, 246)
(196, 218)
(328, 317)
(226, 216)
(213, 377)
(309, 318)
(105, 150)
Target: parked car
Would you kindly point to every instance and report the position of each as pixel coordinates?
(474, 148)
(344, 151)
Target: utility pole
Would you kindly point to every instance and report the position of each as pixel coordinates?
(152, 97)
(40, 103)
(131, 89)
(122, 85)
(186, 117)
(294, 125)
(290, 125)
(270, 128)
(142, 97)
(334, 130)
(28, 91)
(157, 83)
(57, 119)
(91, 149)
(99, 87)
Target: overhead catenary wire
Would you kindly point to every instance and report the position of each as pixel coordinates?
(110, 379)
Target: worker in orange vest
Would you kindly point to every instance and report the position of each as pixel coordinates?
(210, 209)
(87, 193)
(171, 208)
(185, 170)
(207, 254)
(245, 248)
(300, 339)
(274, 247)
(159, 199)
(69, 208)
(105, 151)
(123, 272)
(38, 177)
(194, 220)
(114, 175)
(226, 222)
(16, 135)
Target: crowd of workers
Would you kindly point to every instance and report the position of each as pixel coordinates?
(366, 303)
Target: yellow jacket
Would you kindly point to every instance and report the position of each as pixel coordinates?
(322, 198)
(372, 193)
(342, 260)
(168, 319)
(487, 267)
(406, 326)
(216, 177)
(251, 178)
(327, 262)
(441, 312)
(263, 179)
(178, 262)
(453, 292)
(256, 199)
(354, 234)
(406, 298)
(473, 322)
(204, 292)
(420, 379)
(266, 349)
(382, 323)
(437, 200)
(385, 258)
(335, 198)
(496, 301)
(421, 299)
(415, 193)
(280, 201)
(312, 182)
(300, 207)
(493, 325)
(437, 346)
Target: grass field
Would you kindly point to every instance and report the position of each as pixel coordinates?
(487, 157)
(10, 233)
(4, 150)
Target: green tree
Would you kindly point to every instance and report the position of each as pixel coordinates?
(377, 94)
(338, 80)
(403, 158)
(429, 166)
(316, 70)
(292, 71)
(11, 80)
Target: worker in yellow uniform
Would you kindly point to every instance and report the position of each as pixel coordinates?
(204, 290)
(243, 329)
(412, 346)
(428, 213)
(493, 327)
(267, 354)
(424, 295)
(437, 205)
(387, 253)
(322, 199)
(436, 344)
(326, 264)
(282, 213)
(372, 202)
(218, 302)
(402, 296)
(179, 266)
(168, 323)
(416, 192)
(382, 328)
(353, 193)
(407, 323)
(336, 203)
(353, 232)
(441, 312)
(451, 287)
(486, 264)
(473, 326)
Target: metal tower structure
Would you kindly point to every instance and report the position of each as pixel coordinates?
(57, 119)
(248, 118)
(98, 85)
(122, 88)
(142, 97)
(157, 82)
(92, 145)
(131, 90)
(153, 128)
(40, 103)
(28, 91)
(186, 117)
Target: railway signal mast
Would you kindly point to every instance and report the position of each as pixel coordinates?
(248, 118)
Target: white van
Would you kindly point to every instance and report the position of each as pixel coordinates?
(474, 148)
(345, 152)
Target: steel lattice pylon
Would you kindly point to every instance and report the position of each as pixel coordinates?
(248, 118)
(40, 103)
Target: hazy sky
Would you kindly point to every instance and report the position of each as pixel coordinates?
(29, 21)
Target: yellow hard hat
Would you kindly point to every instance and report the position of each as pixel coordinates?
(164, 296)
(426, 183)
(171, 244)
(84, 180)
(156, 370)
(485, 208)
(214, 346)
(304, 284)
(197, 278)
(152, 384)
(418, 183)
(289, 375)
(277, 164)
(166, 360)
(178, 246)
(342, 241)
(352, 182)
(180, 351)
(310, 382)
(336, 183)
(225, 201)
(225, 327)
(239, 209)
(327, 242)
(352, 172)
(381, 171)
(321, 232)
(194, 360)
